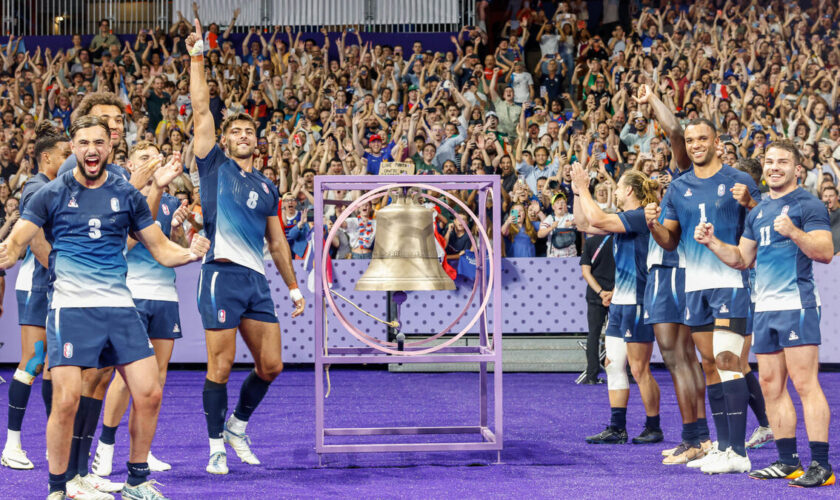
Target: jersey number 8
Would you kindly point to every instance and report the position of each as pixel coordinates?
(94, 232)
(252, 200)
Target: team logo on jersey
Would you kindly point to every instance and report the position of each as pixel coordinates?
(721, 189)
(242, 173)
(265, 188)
(793, 336)
(176, 328)
(72, 203)
(115, 204)
(688, 193)
(165, 209)
(628, 334)
(724, 309)
(760, 213)
(222, 315)
(68, 350)
(785, 209)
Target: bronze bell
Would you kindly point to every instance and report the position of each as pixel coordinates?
(404, 254)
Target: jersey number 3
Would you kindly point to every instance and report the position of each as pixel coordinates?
(94, 232)
(252, 200)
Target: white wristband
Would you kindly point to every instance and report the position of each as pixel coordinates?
(198, 48)
(295, 294)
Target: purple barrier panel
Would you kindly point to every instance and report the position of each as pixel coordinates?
(556, 284)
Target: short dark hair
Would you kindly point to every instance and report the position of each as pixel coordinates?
(98, 99)
(88, 121)
(141, 145)
(787, 145)
(237, 117)
(751, 166)
(829, 188)
(702, 121)
(48, 138)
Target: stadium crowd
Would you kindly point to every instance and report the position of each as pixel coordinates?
(551, 88)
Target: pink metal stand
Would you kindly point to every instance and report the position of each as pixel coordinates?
(488, 350)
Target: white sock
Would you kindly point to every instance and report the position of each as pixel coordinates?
(12, 439)
(217, 445)
(236, 425)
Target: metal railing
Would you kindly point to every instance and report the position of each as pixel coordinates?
(68, 17)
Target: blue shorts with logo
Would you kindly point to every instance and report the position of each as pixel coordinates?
(626, 323)
(228, 292)
(775, 330)
(96, 337)
(32, 308)
(665, 295)
(160, 318)
(703, 307)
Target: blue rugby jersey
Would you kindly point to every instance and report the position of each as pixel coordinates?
(147, 278)
(630, 251)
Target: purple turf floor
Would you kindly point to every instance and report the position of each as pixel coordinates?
(546, 419)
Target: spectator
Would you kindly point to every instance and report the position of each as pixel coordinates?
(103, 40)
(829, 197)
(520, 233)
(598, 268)
(558, 228)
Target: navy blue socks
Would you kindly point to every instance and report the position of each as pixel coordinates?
(252, 392)
(215, 407)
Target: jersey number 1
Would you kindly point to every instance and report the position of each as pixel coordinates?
(702, 207)
(252, 200)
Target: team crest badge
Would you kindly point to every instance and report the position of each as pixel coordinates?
(222, 315)
(721, 189)
(785, 209)
(265, 188)
(115, 204)
(68, 350)
(72, 203)
(165, 209)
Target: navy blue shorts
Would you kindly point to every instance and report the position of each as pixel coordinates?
(626, 323)
(705, 306)
(775, 330)
(96, 337)
(160, 318)
(32, 308)
(228, 292)
(665, 295)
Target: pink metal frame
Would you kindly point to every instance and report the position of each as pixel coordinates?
(488, 350)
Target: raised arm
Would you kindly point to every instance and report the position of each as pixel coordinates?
(168, 253)
(738, 257)
(669, 123)
(11, 248)
(204, 126)
(595, 220)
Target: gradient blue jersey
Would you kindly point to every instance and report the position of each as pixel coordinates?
(630, 250)
(147, 278)
(690, 200)
(32, 276)
(235, 205)
(87, 229)
(658, 256)
(784, 276)
(71, 162)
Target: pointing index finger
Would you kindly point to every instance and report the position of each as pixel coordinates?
(197, 26)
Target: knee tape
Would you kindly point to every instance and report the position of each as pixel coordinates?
(23, 377)
(36, 363)
(616, 370)
(725, 341)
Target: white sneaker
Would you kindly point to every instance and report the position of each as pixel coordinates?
(79, 489)
(731, 462)
(102, 484)
(103, 459)
(15, 458)
(760, 437)
(156, 465)
(241, 445)
(217, 463)
(712, 455)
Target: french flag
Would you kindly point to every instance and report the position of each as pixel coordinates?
(440, 246)
(719, 91)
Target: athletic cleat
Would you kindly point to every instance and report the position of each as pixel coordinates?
(610, 435)
(712, 454)
(815, 476)
(778, 470)
(156, 465)
(760, 437)
(708, 445)
(143, 491)
(670, 451)
(729, 462)
(649, 436)
(56, 495)
(103, 459)
(102, 484)
(15, 458)
(683, 454)
(241, 445)
(79, 489)
(217, 463)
